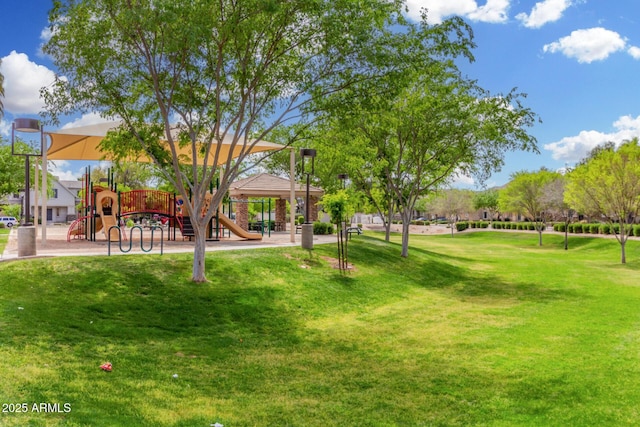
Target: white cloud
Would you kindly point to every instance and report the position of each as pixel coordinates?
(5, 128)
(45, 36)
(61, 169)
(544, 12)
(574, 148)
(437, 10)
(593, 44)
(634, 51)
(86, 120)
(23, 80)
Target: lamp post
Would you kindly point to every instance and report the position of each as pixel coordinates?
(307, 227)
(27, 233)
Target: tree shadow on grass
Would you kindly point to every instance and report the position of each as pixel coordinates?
(432, 270)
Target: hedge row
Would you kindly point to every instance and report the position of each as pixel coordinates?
(463, 225)
(597, 228)
(507, 225)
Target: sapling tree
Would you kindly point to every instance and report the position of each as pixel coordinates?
(338, 207)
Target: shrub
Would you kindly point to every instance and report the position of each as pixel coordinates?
(2, 225)
(594, 228)
(322, 228)
(483, 224)
(559, 227)
(462, 225)
(531, 226)
(605, 229)
(300, 220)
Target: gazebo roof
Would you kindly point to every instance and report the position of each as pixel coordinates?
(267, 185)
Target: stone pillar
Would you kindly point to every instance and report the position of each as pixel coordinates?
(313, 208)
(307, 236)
(281, 214)
(26, 241)
(242, 213)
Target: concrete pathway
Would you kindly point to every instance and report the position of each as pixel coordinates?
(57, 245)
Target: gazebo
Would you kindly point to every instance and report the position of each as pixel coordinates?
(270, 186)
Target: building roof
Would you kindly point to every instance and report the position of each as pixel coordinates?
(267, 185)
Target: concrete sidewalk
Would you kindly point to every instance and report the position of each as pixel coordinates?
(57, 245)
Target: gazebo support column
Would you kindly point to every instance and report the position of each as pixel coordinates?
(242, 213)
(281, 214)
(313, 208)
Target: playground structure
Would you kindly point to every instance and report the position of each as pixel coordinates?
(105, 209)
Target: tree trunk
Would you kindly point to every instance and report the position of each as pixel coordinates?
(199, 250)
(623, 257)
(387, 223)
(405, 240)
(406, 223)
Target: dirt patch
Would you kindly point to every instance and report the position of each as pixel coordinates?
(335, 264)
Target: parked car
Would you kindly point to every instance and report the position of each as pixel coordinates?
(8, 221)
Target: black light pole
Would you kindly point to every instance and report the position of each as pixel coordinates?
(26, 126)
(307, 227)
(27, 233)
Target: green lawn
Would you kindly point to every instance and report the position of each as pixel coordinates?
(4, 238)
(485, 328)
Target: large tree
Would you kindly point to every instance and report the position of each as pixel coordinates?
(607, 186)
(424, 122)
(529, 194)
(194, 72)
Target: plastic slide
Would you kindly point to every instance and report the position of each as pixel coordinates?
(107, 221)
(236, 229)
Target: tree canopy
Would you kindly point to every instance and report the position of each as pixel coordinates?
(192, 73)
(528, 194)
(607, 186)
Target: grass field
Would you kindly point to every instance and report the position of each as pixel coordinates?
(4, 238)
(485, 328)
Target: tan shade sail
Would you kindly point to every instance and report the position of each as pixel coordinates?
(82, 143)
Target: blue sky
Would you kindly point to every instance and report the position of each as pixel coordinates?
(577, 60)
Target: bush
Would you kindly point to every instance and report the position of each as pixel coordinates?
(2, 225)
(322, 228)
(576, 228)
(559, 227)
(300, 220)
(531, 226)
(462, 225)
(594, 228)
(605, 229)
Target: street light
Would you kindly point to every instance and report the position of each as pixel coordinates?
(26, 126)
(307, 227)
(27, 233)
